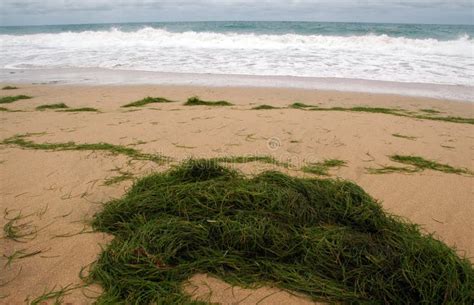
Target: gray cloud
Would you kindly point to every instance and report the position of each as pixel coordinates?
(90, 11)
(52, 5)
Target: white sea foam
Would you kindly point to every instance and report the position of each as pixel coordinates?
(376, 57)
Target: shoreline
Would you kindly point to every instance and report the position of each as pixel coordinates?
(101, 77)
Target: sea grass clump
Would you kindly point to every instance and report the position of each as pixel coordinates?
(52, 106)
(429, 114)
(13, 98)
(196, 101)
(81, 109)
(9, 88)
(325, 238)
(299, 105)
(418, 164)
(146, 101)
(23, 141)
(264, 107)
(322, 168)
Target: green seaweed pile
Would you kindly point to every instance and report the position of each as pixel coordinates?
(147, 100)
(325, 238)
(11, 99)
(196, 101)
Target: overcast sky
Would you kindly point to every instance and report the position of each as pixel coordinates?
(24, 12)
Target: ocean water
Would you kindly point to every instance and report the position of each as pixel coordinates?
(432, 54)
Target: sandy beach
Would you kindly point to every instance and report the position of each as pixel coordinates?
(52, 195)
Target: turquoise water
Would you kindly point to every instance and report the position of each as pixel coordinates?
(418, 31)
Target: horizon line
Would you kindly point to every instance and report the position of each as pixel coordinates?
(203, 21)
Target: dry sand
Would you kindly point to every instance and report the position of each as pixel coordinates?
(58, 192)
